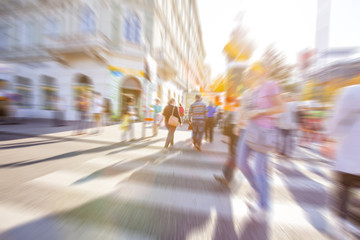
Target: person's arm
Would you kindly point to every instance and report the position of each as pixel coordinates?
(205, 112)
(342, 117)
(178, 115)
(190, 113)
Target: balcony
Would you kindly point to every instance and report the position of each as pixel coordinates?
(66, 47)
(165, 66)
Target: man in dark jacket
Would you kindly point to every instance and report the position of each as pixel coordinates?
(170, 110)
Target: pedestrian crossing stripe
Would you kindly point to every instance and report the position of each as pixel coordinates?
(119, 186)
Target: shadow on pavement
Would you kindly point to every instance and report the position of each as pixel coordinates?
(77, 153)
(33, 143)
(316, 197)
(108, 216)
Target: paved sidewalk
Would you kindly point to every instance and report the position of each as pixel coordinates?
(110, 134)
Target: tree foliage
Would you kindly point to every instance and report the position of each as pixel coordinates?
(275, 62)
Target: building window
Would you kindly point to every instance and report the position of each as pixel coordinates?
(132, 27)
(87, 20)
(51, 28)
(24, 89)
(4, 37)
(49, 92)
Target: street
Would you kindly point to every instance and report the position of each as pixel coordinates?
(58, 188)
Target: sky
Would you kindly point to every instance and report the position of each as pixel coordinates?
(288, 24)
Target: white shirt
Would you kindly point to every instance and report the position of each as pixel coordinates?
(246, 102)
(345, 126)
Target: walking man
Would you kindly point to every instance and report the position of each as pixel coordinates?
(210, 122)
(197, 117)
(83, 106)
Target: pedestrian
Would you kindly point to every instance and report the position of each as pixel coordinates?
(197, 117)
(287, 125)
(157, 116)
(128, 119)
(219, 117)
(107, 112)
(259, 135)
(344, 128)
(172, 120)
(240, 121)
(97, 111)
(265, 103)
(58, 111)
(210, 122)
(83, 106)
(182, 112)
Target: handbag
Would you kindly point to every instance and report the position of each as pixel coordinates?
(260, 139)
(173, 121)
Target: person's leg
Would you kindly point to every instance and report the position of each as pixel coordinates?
(131, 129)
(242, 159)
(200, 132)
(211, 129)
(195, 129)
(154, 127)
(173, 135)
(81, 122)
(261, 177)
(290, 142)
(345, 182)
(207, 124)
(169, 136)
(284, 141)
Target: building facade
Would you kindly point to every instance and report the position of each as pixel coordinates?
(177, 46)
(336, 59)
(119, 48)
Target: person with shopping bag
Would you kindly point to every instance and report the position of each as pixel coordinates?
(172, 120)
(260, 139)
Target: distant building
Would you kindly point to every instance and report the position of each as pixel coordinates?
(335, 61)
(119, 48)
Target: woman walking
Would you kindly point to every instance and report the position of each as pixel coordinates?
(266, 102)
(172, 120)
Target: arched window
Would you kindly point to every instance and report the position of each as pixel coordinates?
(24, 88)
(49, 92)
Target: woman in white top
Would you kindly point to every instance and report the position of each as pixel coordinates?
(345, 129)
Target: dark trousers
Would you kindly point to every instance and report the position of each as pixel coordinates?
(230, 165)
(345, 182)
(82, 123)
(285, 141)
(170, 136)
(58, 118)
(209, 129)
(198, 131)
